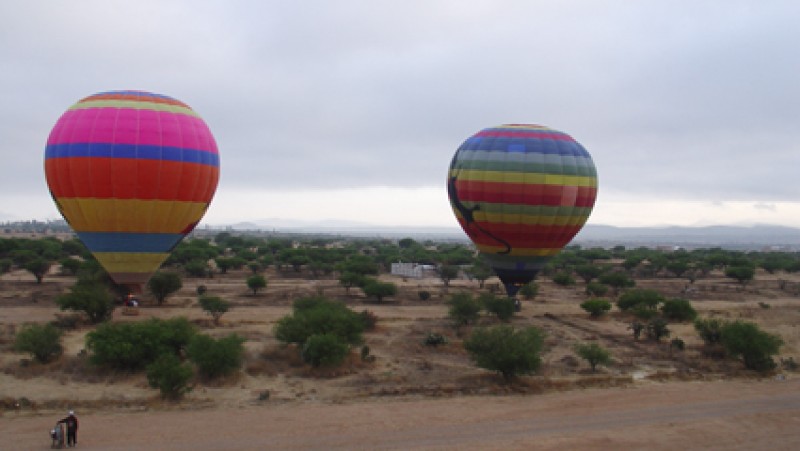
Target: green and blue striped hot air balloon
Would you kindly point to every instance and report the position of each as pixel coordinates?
(521, 193)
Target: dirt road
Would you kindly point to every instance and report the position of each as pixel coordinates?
(687, 415)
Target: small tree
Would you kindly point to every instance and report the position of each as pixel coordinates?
(325, 350)
(256, 282)
(169, 376)
(742, 273)
(379, 290)
(588, 272)
(447, 273)
(640, 297)
(529, 290)
(747, 341)
(596, 307)
(594, 354)
(69, 266)
(38, 267)
(616, 280)
(710, 330)
(216, 357)
(214, 306)
(464, 309)
(316, 316)
(350, 279)
(506, 350)
(197, 268)
(501, 306)
(93, 299)
(678, 310)
(564, 279)
(657, 329)
(596, 289)
(163, 284)
(41, 342)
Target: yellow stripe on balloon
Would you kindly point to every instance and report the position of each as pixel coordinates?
(130, 215)
(130, 262)
(519, 252)
(532, 178)
(135, 105)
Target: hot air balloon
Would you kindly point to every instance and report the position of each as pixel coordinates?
(521, 193)
(132, 173)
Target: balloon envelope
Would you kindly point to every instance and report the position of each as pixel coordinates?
(132, 173)
(521, 193)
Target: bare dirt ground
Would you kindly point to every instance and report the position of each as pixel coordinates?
(415, 396)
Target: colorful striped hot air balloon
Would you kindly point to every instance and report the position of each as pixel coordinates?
(132, 172)
(521, 193)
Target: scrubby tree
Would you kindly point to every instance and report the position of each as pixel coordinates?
(447, 273)
(131, 346)
(91, 298)
(163, 284)
(379, 290)
(506, 350)
(742, 273)
(197, 268)
(657, 329)
(747, 341)
(69, 266)
(216, 357)
(256, 282)
(38, 267)
(709, 329)
(325, 350)
(43, 342)
(479, 271)
(502, 306)
(529, 290)
(677, 309)
(564, 279)
(640, 298)
(316, 316)
(594, 354)
(616, 280)
(351, 279)
(588, 272)
(596, 307)
(214, 306)
(464, 309)
(169, 376)
(596, 289)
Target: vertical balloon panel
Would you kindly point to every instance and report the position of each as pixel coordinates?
(132, 172)
(521, 193)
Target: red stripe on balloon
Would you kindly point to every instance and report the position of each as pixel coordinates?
(526, 193)
(504, 133)
(123, 178)
(520, 236)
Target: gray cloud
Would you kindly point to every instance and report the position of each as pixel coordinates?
(694, 100)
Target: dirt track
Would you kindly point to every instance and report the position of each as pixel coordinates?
(701, 415)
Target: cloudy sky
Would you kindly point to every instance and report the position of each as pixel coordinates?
(352, 110)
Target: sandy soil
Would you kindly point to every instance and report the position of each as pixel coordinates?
(701, 415)
(414, 396)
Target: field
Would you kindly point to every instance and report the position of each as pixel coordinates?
(417, 395)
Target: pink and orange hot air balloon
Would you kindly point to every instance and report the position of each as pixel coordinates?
(132, 172)
(521, 193)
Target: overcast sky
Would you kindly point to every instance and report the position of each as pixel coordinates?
(352, 110)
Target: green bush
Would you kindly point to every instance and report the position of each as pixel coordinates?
(319, 316)
(594, 354)
(564, 279)
(464, 309)
(596, 307)
(506, 350)
(657, 329)
(256, 282)
(133, 346)
(529, 290)
(501, 306)
(43, 343)
(91, 298)
(596, 289)
(678, 310)
(163, 284)
(434, 339)
(379, 290)
(424, 295)
(325, 350)
(747, 341)
(214, 306)
(646, 298)
(710, 330)
(169, 376)
(216, 357)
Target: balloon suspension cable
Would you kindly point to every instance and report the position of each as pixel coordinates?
(469, 218)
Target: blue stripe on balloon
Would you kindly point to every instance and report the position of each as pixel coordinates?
(130, 242)
(516, 145)
(142, 152)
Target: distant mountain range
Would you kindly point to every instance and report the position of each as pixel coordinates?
(738, 237)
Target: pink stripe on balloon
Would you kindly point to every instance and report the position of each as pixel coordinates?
(130, 126)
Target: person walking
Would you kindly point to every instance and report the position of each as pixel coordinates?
(71, 421)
